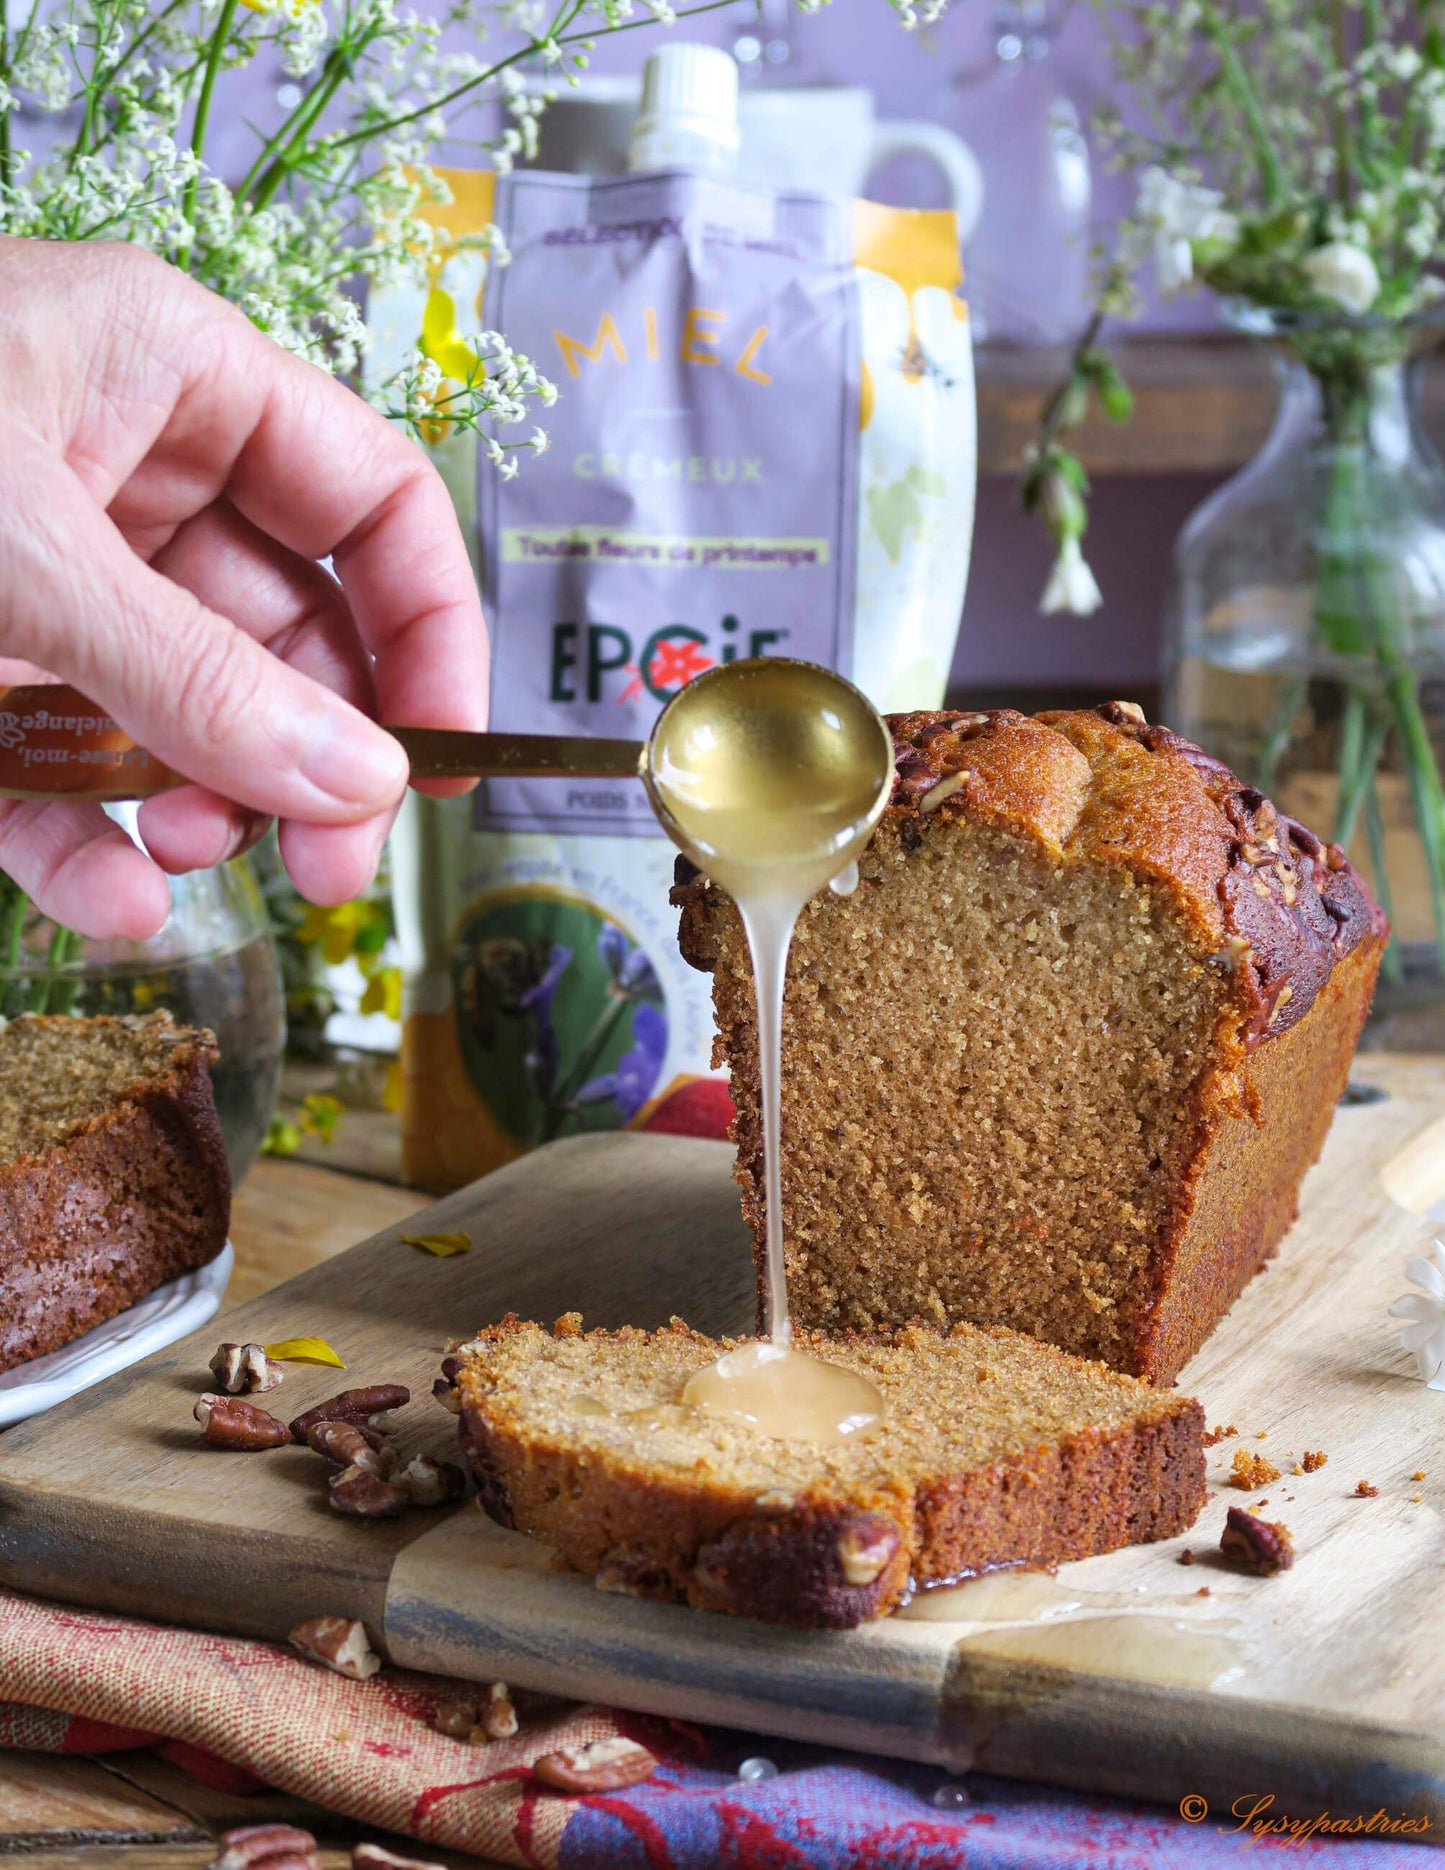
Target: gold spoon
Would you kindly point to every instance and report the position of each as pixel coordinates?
(56, 744)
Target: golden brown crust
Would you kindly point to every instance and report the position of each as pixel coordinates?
(783, 1558)
(131, 1198)
(1283, 921)
(1104, 785)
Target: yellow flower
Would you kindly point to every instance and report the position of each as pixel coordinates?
(383, 993)
(335, 929)
(320, 1114)
(442, 342)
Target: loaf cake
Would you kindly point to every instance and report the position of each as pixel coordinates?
(995, 1450)
(113, 1174)
(1062, 1059)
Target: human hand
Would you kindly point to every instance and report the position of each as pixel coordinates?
(169, 478)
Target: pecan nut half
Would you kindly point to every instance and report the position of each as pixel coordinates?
(245, 1369)
(601, 1766)
(359, 1405)
(231, 1422)
(353, 1444)
(267, 1847)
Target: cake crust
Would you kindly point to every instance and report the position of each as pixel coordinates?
(118, 1202)
(790, 1534)
(1280, 923)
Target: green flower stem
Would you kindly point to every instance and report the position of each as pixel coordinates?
(220, 37)
(1357, 766)
(593, 1047)
(1392, 967)
(291, 136)
(1280, 730)
(1426, 793)
(64, 949)
(527, 51)
(1237, 80)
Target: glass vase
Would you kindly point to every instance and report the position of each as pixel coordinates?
(1306, 633)
(212, 964)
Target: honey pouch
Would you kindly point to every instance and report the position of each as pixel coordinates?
(763, 445)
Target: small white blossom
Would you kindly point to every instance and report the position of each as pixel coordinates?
(1072, 586)
(539, 441)
(1177, 214)
(1424, 1334)
(1345, 273)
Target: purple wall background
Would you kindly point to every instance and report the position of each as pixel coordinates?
(1003, 643)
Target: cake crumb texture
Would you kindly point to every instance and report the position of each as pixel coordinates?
(113, 1174)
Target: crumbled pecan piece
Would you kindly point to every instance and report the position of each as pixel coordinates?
(378, 1857)
(1251, 1470)
(428, 1482)
(366, 1496)
(1313, 1459)
(1364, 1490)
(1261, 1545)
(337, 1643)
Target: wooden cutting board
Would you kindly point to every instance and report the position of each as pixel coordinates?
(1128, 1673)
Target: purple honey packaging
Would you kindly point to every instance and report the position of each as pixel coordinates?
(763, 444)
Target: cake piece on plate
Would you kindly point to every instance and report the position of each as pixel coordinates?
(113, 1174)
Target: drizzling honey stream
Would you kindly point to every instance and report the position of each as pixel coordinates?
(771, 775)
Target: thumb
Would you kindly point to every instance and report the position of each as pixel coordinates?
(179, 678)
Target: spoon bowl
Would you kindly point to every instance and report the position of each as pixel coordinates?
(769, 774)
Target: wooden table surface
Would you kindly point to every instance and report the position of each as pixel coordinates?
(130, 1811)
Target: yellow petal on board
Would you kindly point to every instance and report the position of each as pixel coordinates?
(304, 1351)
(442, 1245)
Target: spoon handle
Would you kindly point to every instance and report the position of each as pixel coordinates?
(56, 744)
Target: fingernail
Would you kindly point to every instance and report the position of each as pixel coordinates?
(353, 759)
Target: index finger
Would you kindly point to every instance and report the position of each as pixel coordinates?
(327, 476)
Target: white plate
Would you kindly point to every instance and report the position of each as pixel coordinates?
(162, 1316)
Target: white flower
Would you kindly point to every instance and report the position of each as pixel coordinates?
(1071, 586)
(1424, 1335)
(540, 442)
(1345, 273)
(1177, 214)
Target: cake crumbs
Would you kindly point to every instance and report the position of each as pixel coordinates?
(1263, 1435)
(1416, 1498)
(1419, 1474)
(1186, 1557)
(1313, 1459)
(1365, 1491)
(1251, 1470)
(1218, 1434)
(1203, 1591)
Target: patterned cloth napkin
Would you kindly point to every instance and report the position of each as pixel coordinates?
(245, 1715)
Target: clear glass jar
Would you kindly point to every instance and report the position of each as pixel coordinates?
(212, 964)
(1306, 633)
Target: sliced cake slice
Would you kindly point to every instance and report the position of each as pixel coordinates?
(113, 1175)
(996, 1450)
